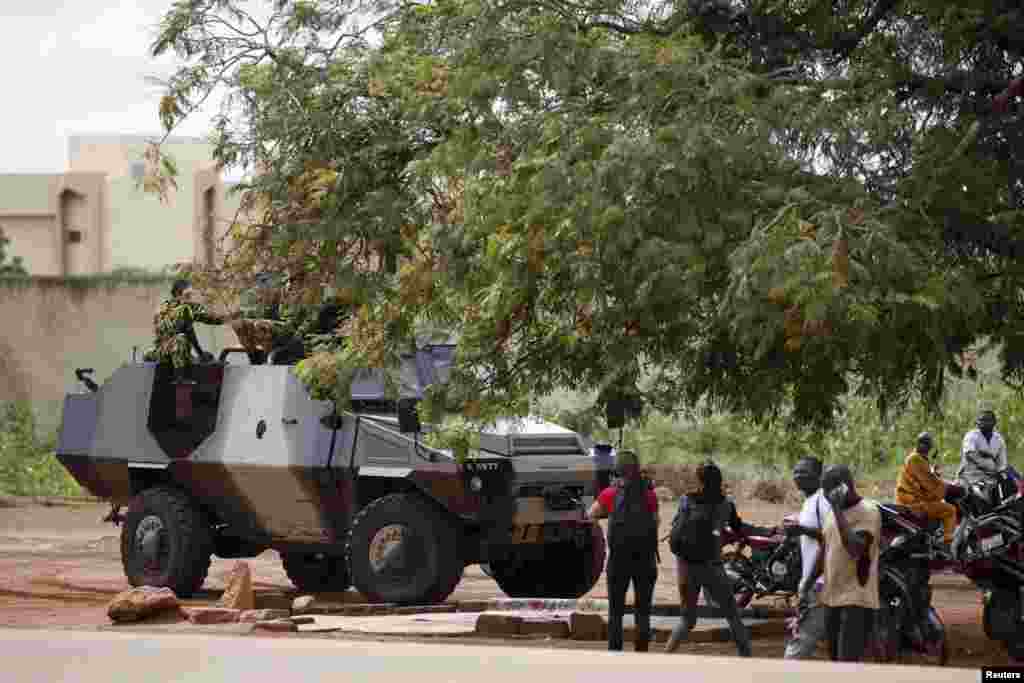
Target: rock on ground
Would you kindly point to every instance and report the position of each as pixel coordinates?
(251, 616)
(286, 625)
(239, 593)
(302, 603)
(139, 603)
(213, 615)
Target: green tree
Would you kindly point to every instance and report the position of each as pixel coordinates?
(759, 206)
(9, 265)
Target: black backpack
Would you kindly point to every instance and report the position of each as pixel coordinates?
(631, 525)
(693, 535)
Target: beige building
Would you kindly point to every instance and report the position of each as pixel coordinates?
(94, 218)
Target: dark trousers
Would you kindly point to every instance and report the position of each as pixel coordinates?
(643, 573)
(712, 578)
(848, 629)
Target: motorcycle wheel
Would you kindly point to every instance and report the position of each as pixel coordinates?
(737, 565)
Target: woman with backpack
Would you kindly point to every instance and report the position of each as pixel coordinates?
(632, 511)
(695, 540)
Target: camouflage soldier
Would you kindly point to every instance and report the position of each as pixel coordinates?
(175, 334)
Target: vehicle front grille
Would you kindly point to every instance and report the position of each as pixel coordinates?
(546, 445)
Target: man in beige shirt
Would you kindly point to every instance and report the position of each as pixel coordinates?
(849, 560)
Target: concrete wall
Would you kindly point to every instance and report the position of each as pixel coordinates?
(54, 326)
(34, 238)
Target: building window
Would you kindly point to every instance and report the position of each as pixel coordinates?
(74, 236)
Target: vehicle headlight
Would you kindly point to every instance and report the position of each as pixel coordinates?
(476, 484)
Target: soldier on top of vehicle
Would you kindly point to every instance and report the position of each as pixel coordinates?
(293, 329)
(175, 331)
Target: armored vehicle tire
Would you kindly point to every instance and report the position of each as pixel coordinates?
(401, 550)
(565, 571)
(166, 541)
(315, 572)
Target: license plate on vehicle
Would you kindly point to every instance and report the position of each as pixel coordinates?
(991, 543)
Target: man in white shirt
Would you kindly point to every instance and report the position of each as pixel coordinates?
(811, 622)
(849, 560)
(983, 454)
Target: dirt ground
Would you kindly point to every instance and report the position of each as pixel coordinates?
(60, 565)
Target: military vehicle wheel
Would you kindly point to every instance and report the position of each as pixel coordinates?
(316, 572)
(401, 550)
(565, 571)
(166, 541)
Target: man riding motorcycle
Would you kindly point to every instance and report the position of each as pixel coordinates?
(983, 454)
(923, 491)
(984, 467)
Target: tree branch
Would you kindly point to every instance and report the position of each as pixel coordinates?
(849, 41)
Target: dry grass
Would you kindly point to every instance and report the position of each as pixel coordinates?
(673, 481)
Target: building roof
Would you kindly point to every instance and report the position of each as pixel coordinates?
(76, 140)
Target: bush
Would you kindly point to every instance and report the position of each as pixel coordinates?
(758, 458)
(28, 466)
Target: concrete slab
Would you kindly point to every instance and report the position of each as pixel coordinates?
(538, 622)
(43, 656)
(450, 624)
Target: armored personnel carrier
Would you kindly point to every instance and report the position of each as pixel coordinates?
(350, 498)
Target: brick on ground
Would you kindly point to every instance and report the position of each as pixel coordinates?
(495, 624)
(587, 626)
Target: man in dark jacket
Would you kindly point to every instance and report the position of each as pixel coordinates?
(696, 542)
(632, 511)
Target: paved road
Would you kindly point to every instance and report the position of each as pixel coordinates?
(31, 656)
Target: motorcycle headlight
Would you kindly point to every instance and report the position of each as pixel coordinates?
(476, 484)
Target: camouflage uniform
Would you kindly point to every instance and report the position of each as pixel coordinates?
(171, 324)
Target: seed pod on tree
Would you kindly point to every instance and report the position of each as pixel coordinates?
(777, 295)
(793, 323)
(535, 249)
(808, 230)
(841, 262)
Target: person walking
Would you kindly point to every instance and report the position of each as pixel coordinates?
(849, 562)
(810, 626)
(632, 511)
(695, 540)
